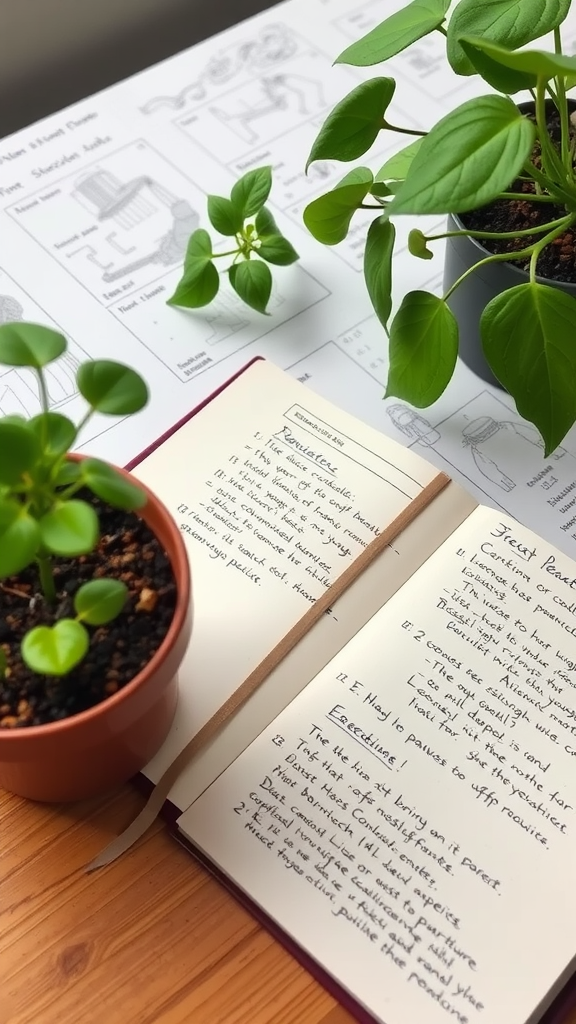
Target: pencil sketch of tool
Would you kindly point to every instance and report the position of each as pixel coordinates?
(276, 93)
(275, 43)
(414, 426)
(131, 205)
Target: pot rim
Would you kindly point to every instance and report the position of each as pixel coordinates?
(511, 268)
(177, 554)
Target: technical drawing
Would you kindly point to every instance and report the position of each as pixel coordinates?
(274, 44)
(483, 437)
(10, 309)
(276, 93)
(130, 204)
(412, 424)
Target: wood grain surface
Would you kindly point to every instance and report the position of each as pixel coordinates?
(152, 939)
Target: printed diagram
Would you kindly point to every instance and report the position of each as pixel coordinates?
(269, 97)
(120, 224)
(412, 424)
(128, 205)
(188, 342)
(19, 394)
(274, 44)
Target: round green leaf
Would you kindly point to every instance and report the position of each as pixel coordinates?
(70, 528)
(251, 191)
(378, 266)
(354, 123)
(56, 433)
(68, 473)
(19, 450)
(224, 217)
(197, 288)
(112, 388)
(110, 486)
(328, 217)
(467, 159)
(414, 21)
(530, 64)
(100, 601)
(24, 344)
(55, 650)
(512, 22)
(417, 245)
(19, 537)
(528, 337)
(252, 282)
(423, 349)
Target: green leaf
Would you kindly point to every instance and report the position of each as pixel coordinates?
(526, 65)
(110, 486)
(467, 159)
(252, 281)
(56, 433)
(501, 78)
(528, 338)
(277, 249)
(100, 601)
(68, 473)
(328, 217)
(396, 167)
(224, 216)
(199, 248)
(112, 388)
(354, 123)
(200, 281)
(70, 528)
(423, 349)
(265, 223)
(250, 192)
(511, 22)
(55, 650)
(19, 537)
(378, 266)
(19, 450)
(197, 288)
(414, 21)
(24, 344)
(417, 245)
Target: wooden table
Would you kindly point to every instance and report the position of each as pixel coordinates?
(152, 939)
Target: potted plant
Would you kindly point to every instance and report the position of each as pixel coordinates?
(94, 593)
(505, 176)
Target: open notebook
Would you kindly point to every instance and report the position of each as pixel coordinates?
(397, 798)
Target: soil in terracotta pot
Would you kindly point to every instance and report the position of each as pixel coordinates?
(127, 550)
(558, 260)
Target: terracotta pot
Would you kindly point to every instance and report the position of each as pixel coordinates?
(101, 748)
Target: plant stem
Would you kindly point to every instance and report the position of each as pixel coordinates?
(441, 29)
(539, 246)
(219, 255)
(550, 159)
(565, 221)
(531, 197)
(403, 131)
(46, 578)
(501, 257)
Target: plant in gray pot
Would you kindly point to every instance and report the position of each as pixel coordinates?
(505, 176)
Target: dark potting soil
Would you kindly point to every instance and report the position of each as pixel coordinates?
(557, 262)
(127, 550)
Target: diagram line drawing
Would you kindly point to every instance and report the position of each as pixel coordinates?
(278, 93)
(274, 44)
(129, 204)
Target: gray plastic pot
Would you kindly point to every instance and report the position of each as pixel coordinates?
(473, 295)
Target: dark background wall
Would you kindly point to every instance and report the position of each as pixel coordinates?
(54, 52)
